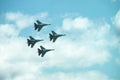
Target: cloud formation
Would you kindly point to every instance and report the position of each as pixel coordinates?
(77, 23)
(87, 44)
(116, 20)
(8, 30)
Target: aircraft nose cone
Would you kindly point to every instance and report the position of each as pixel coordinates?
(48, 24)
(52, 49)
(41, 40)
(64, 35)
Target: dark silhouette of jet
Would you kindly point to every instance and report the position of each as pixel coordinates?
(54, 36)
(39, 25)
(43, 51)
(32, 41)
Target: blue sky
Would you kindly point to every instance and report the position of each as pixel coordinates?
(90, 49)
(83, 7)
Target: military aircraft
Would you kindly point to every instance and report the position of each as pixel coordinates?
(54, 36)
(43, 51)
(32, 41)
(39, 25)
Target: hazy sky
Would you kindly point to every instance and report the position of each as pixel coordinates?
(89, 51)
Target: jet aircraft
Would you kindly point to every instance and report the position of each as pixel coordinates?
(39, 25)
(43, 51)
(32, 41)
(54, 36)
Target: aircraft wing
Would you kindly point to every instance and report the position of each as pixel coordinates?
(28, 41)
(54, 33)
(39, 52)
(50, 36)
(31, 38)
(32, 45)
(35, 26)
(38, 22)
(39, 28)
(42, 54)
(54, 39)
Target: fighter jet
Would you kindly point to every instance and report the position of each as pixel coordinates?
(54, 36)
(43, 51)
(32, 41)
(39, 25)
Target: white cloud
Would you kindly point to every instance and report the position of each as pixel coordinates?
(91, 75)
(83, 75)
(86, 48)
(70, 54)
(76, 23)
(17, 59)
(89, 48)
(116, 20)
(8, 30)
(14, 52)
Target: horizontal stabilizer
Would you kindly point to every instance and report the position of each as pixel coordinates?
(50, 36)
(35, 26)
(28, 41)
(39, 51)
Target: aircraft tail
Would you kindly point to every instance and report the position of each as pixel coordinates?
(35, 26)
(39, 52)
(50, 36)
(28, 41)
